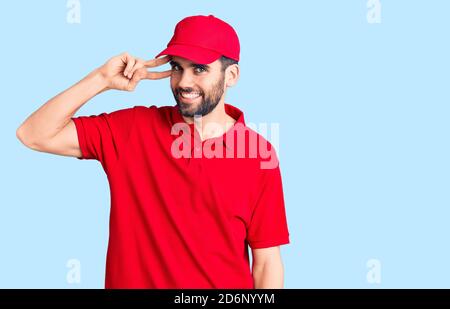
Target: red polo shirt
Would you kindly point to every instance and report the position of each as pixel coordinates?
(181, 218)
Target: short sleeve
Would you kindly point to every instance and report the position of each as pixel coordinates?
(268, 224)
(103, 137)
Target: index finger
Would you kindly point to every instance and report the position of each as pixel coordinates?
(157, 62)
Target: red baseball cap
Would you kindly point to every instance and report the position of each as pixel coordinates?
(203, 39)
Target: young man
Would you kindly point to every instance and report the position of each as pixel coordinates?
(190, 187)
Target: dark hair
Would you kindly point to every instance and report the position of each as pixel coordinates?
(226, 62)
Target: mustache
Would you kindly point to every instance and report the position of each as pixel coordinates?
(188, 90)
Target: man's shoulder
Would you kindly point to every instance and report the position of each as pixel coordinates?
(153, 109)
(152, 114)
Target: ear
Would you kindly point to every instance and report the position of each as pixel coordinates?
(231, 75)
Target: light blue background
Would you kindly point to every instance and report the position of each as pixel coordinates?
(364, 123)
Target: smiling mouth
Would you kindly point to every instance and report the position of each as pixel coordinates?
(189, 97)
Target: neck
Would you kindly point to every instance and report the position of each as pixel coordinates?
(215, 124)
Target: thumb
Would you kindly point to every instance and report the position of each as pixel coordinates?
(138, 75)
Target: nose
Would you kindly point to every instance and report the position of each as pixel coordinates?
(186, 81)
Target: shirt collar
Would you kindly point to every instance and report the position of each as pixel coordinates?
(231, 110)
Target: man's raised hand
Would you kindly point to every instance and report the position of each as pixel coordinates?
(124, 72)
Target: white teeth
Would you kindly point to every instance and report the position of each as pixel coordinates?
(190, 95)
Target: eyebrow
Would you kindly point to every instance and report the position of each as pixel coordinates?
(192, 65)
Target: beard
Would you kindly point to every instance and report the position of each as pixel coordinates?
(208, 101)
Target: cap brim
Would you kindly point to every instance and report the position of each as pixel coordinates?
(196, 54)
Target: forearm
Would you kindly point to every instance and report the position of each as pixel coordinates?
(55, 114)
(268, 275)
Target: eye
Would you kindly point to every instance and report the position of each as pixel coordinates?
(174, 66)
(200, 70)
